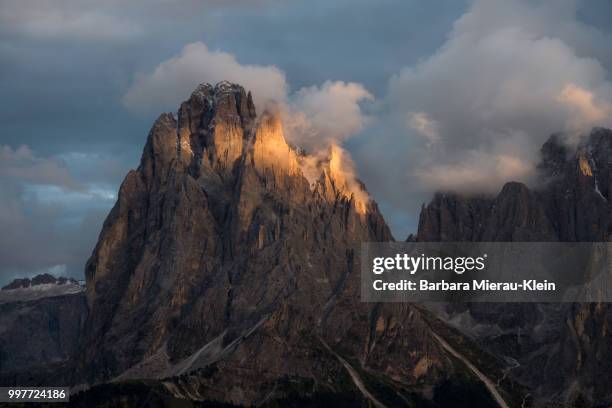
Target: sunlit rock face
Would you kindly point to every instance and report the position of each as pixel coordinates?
(270, 151)
(227, 261)
(562, 349)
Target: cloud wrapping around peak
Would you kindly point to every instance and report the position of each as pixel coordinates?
(318, 116)
(314, 117)
(173, 80)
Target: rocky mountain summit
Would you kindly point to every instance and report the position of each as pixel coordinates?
(561, 351)
(228, 270)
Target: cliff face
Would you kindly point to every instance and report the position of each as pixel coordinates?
(562, 349)
(222, 263)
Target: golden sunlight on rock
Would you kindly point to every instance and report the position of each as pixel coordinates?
(186, 153)
(332, 170)
(227, 142)
(342, 172)
(585, 167)
(270, 150)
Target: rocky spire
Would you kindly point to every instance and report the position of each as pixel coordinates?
(270, 151)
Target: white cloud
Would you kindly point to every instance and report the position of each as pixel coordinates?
(318, 116)
(425, 126)
(478, 171)
(174, 79)
(583, 109)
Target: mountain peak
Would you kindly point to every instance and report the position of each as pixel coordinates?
(203, 90)
(217, 129)
(218, 231)
(227, 86)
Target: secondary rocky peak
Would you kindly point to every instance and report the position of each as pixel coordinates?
(332, 174)
(342, 172)
(270, 151)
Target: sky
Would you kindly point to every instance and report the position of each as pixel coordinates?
(424, 96)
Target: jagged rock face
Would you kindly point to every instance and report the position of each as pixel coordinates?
(563, 349)
(514, 215)
(221, 255)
